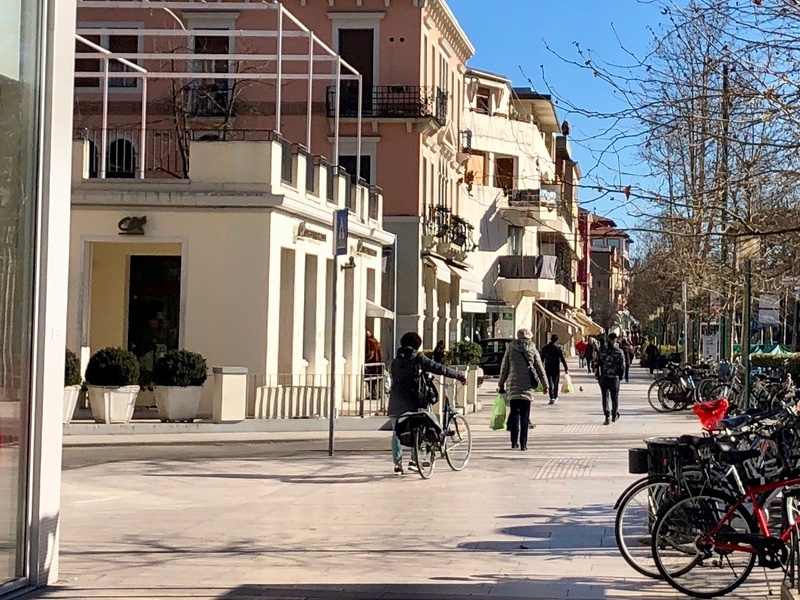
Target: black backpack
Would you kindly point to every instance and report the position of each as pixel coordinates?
(427, 394)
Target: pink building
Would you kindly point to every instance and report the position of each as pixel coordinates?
(411, 56)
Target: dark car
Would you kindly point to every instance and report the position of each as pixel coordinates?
(492, 357)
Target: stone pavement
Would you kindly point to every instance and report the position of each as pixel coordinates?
(535, 524)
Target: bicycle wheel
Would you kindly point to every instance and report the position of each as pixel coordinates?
(426, 457)
(654, 396)
(457, 443)
(636, 517)
(692, 567)
(671, 395)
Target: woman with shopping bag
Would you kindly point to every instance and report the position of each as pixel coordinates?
(521, 373)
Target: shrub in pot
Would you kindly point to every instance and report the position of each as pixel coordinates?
(72, 384)
(112, 377)
(179, 376)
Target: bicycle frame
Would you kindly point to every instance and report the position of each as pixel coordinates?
(752, 495)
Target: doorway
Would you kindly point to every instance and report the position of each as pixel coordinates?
(356, 47)
(154, 300)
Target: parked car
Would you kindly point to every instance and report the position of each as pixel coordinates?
(492, 357)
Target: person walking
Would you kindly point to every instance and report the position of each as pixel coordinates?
(627, 352)
(521, 362)
(553, 358)
(610, 369)
(404, 397)
(580, 348)
(590, 353)
(439, 352)
(652, 353)
(373, 360)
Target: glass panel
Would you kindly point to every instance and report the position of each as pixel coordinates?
(18, 150)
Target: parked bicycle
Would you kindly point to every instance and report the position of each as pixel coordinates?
(428, 439)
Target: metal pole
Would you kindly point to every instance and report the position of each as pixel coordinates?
(278, 87)
(143, 132)
(746, 330)
(332, 399)
(310, 88)
(684, 295)
(104, 132)
(338, 112)
(358, 135)
(725, 318)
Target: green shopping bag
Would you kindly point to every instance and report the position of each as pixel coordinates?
(540, 387)
(498, 420)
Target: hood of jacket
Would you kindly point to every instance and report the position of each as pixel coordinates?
(406, 352)
(521, 345)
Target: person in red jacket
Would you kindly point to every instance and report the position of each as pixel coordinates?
(580, 348)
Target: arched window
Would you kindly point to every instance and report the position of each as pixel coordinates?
(121, 160)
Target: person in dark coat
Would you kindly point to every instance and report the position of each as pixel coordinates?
(627, 352)
(652, 353)
(515, 383)
(610, 369)
(404, 395)
(590, 353)
(553, 358)
(439, 352)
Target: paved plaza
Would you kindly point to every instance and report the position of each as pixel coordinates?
(285, 521)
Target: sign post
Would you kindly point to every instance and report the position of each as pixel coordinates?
(340, 233)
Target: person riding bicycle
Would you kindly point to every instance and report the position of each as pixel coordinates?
(404, 397)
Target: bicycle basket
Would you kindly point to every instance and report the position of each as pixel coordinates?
(407, 424)
(711, 412)
(667, 455)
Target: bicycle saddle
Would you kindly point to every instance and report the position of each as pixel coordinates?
(737, 457)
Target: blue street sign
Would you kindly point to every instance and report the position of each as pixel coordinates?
(340, 233)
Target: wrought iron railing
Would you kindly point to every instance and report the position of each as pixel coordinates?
(390, 102)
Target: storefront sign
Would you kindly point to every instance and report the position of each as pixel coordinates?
(304, 232)
(132, 225)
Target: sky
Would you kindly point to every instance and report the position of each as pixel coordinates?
(512, 36)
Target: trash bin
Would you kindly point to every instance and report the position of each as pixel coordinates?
(666, 455)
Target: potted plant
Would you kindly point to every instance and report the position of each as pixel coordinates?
(112, 377)
(72, 384)
(179, 376)
(464, 356)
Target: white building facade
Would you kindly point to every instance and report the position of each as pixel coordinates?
(521, 187)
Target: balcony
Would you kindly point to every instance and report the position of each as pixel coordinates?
(448, 234)
(542, 208)
(541, 277)
(390, 103)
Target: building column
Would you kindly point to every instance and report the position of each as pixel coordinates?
(443, 310)
(455, 311)
(431, 314)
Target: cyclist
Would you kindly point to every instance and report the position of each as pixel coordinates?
(404, 396)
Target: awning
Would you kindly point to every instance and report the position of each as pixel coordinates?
(478, 307)
(442, 270)
(560, 319)
(591, 327)
(469, 281)
(376, 311)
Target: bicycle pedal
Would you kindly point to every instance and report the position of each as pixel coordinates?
(451, 434)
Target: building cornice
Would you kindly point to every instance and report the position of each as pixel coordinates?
(446, 21)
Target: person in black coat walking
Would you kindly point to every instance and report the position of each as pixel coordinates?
(404, 396)
(553, 358)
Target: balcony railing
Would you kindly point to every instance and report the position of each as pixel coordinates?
(390, 102)
(548, 196)
(449, 228)
(527, 267)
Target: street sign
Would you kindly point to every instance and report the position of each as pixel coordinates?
(340, 233)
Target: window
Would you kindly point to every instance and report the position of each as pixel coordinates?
(515, 235)
(118, 44)
(348, 163)
(504, 173)
(121, 160)
(483, 101)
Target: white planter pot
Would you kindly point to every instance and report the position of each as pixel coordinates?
(71, 394)
(113, 404)
(178, 403)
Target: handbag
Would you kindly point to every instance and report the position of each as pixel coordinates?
(427, 394)
(531, 371)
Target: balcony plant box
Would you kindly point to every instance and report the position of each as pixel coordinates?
(179, 376)
(112, 377)
(72, 384)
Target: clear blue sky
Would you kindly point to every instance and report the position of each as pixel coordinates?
(511, 34)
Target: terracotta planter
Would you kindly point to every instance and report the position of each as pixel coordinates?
(113, 404)
(178, 403)
(71, 395)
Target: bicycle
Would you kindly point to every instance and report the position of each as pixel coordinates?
(451, 441)
(706, 545)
